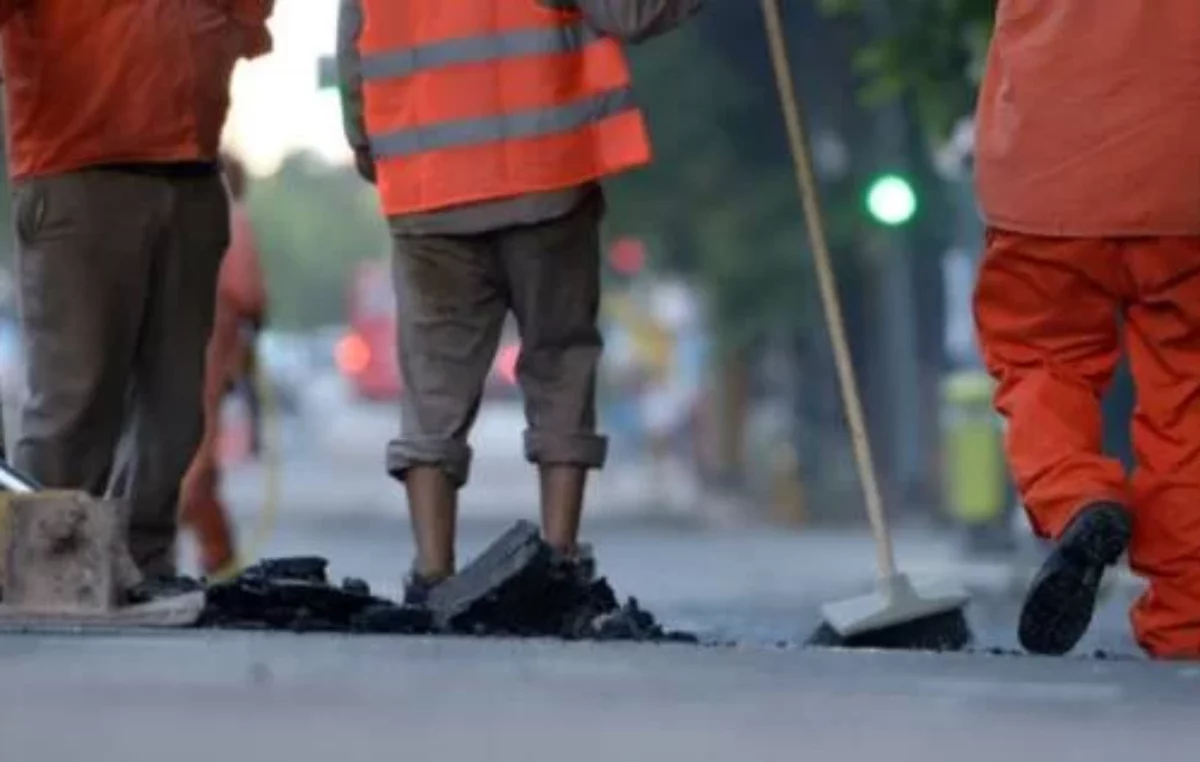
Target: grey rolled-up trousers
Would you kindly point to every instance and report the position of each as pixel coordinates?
(453, 294)
(116, 273)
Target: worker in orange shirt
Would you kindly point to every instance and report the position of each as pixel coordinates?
(240, 314)
(115, 112)
(486, 127)
(1088, 162)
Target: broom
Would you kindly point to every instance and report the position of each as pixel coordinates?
(900, 613)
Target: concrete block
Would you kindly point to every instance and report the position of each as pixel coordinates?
(65, 553)
(518, 561)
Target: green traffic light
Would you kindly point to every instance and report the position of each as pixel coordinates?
(891, 200)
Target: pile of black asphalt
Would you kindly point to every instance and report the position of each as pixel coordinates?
(517, 587)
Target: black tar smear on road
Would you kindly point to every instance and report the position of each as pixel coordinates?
(516, 587)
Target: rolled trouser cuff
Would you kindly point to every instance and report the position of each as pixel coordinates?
(452, 457)
(587, 450)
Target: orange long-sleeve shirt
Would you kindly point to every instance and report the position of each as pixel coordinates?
(1089, 118)
(93, 82)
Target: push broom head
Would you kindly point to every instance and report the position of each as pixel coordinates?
(898, 615)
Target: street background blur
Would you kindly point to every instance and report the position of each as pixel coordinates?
(719, 392)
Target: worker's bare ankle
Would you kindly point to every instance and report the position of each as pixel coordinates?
(566, 546)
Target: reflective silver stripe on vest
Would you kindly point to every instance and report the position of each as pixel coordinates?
(526, 124)
(529, 42)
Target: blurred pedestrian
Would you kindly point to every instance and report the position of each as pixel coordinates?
(1088, 157)
(486, 127)
(115, 112)
(239, 316)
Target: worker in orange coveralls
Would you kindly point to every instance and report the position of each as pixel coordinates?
(240, 311)
(114, 114)
(1088, 163)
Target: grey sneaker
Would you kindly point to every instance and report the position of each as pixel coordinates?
(581, 565)
(417, 589)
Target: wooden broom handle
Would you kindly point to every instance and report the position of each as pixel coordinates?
(807, 185)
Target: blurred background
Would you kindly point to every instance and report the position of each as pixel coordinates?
(719, 391)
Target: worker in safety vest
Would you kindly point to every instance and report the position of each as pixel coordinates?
(240, 313)
(486, 126)
(115, 112)
(1088, 161)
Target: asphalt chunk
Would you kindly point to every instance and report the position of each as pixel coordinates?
(517, 587)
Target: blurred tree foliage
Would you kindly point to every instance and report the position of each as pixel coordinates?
(933, 52)
(702, 205)
(719, 203)
(314, 222)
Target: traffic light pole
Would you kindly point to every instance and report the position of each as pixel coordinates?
(326, 73)
(898, 330)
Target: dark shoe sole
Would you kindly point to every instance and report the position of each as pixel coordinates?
(1062, 599)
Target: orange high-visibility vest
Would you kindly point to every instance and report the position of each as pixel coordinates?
(478, 100)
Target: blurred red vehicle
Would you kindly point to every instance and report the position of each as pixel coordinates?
(367, 354)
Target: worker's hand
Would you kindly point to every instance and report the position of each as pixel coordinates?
(254, 41)
(631, 22)
(364, 162)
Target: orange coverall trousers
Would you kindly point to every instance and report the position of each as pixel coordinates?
(1053, 315)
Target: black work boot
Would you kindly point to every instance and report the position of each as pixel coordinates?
(1059, 605)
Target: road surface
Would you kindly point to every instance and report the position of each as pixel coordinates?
(755, 586)
(279, 697)
(745, 582)
(332, 462)
(269, 698)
